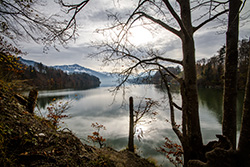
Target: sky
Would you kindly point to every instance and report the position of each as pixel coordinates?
(208, 40)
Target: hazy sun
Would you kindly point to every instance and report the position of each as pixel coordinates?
(140, 35)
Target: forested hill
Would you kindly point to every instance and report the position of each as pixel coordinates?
(43, 77)
(211, 71)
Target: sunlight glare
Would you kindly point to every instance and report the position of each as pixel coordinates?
(139, 131)
(140, 35)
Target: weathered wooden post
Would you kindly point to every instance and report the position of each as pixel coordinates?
(131, 126)
(32, 101)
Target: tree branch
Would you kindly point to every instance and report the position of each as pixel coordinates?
(172, 114)
(155, 58)
(209, 1)
(164, 25)
(175, 15)
(210, 19)
(176, 106)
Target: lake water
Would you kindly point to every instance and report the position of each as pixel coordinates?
(102, 106)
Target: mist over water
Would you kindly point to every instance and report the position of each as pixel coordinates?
(100, 105)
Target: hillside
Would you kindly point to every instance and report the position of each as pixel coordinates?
(75, 68)
(40, 76)
(105, 78)
(28, 140)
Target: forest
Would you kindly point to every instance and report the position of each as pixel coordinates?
(42, 77)
(210, 72)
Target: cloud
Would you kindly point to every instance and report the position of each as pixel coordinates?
(94, 15)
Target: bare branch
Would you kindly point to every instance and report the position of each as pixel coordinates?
(164, 25)
(175, 15)
(23, 20)
(172, 114)
(243, 5)
(210, 19)
(176, 106)
(155, 58)
(144, 110)
(209, 3)
(171, 74)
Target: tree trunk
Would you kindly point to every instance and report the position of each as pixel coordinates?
(244, 141)
(193, 143)
(230, 83)
(131, 126)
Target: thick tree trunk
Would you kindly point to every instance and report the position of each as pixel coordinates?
(244, 141)
(131, 126)
(193, 144)
(230, 83)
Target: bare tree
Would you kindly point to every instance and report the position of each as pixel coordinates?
(175, 17)
(24, 19)
(137, 115)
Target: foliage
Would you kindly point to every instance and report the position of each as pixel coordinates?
(9, 63)
(210, 72)
(56, 112)
(172, 151)
(96, 137)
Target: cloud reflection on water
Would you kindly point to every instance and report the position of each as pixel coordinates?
(98, 105)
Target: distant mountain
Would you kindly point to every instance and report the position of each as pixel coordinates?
(41, 77)
(75, 68)
(107, 79)
(27, 62)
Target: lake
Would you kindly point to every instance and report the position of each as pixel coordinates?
(111, 110)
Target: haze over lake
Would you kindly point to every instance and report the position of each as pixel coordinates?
(100, 105)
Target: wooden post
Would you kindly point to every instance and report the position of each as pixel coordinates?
(131, 126)
(32, 101)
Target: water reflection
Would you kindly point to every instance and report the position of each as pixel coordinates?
(212, 99)
(98, 105)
